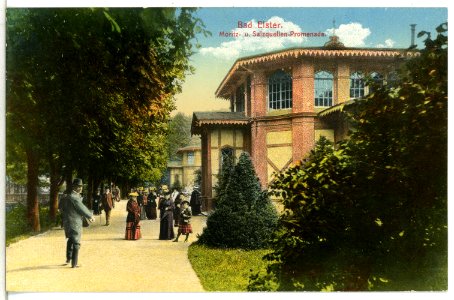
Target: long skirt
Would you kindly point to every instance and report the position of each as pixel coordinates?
(151, 212)
(185, 228)
(176, 216)
(166, 228)
(132, 231)
(143, 216)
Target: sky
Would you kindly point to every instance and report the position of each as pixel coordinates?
(356, 27)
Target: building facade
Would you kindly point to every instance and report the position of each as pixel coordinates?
(282, 102)
(184, 171)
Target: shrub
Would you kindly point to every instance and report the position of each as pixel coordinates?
(244, 216)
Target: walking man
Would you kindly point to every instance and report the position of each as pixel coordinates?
(107, 204)
(73, 210)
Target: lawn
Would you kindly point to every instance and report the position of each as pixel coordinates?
(225, 270)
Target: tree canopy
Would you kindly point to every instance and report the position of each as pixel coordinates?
(90, 91)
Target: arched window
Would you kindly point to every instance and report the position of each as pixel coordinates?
(356, 85)
(280, 91)
(323, 88)
(226, 153)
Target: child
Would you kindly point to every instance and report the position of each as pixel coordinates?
(185, 221)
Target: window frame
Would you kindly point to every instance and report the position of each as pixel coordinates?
(357, 85)
(280, 91)
(323, 77)
(190, 158)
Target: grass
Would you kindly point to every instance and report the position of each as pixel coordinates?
(225, 270)
(17, 227)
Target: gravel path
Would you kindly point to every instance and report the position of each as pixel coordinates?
(109, 263)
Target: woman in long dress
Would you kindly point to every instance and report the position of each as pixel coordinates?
(133, 218)
(166, 206)
(150, 208)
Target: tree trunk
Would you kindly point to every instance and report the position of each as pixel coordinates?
(56, 181)
(32, 191)
(69, 181)
(90, 189)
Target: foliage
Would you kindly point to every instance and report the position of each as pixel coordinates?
(198, 177)
(177, 185)
(244, 216)
(91, 90)
(225, 270)
(371, 214)
(16, 226)
(223, 178)
(179, 134)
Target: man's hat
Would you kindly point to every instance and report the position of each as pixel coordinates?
(77, 181)
(133, 194)
(184, 201)
(165, 188)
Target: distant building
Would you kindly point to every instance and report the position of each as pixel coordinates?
(184, 171)
(282, 102)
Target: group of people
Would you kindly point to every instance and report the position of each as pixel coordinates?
(106, 201)
(175, 211)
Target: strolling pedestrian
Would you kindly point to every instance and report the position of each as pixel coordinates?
(107, 205)
(150, 208)
(176, 211)
(185, 221)
(73, 211)
(141, 201)
(166, 207)
(196, 201)
(116, 193)
(133, 218)
(97, 203)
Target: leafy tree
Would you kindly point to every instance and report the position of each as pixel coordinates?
(244, 216)
(179, 134)
(372, 213)
(90, 90)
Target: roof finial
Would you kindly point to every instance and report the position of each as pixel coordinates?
(334, 26)
(334, 42)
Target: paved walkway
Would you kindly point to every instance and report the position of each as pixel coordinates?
(109, 263)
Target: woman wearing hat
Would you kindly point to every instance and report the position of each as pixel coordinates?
(133, 218)
(185, 221)
(166, 206)
(150, 208)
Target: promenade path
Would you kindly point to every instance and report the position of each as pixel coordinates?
(109, 262)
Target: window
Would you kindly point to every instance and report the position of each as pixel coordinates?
(356, 85)
(190, 158)
(226, 153)
(323, 88)
(280, 91)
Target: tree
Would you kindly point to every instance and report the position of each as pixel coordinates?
(179, 134)
(244, 216)
(371, 214)
(89, 87)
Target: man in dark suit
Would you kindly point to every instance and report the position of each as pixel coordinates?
(73, 210)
